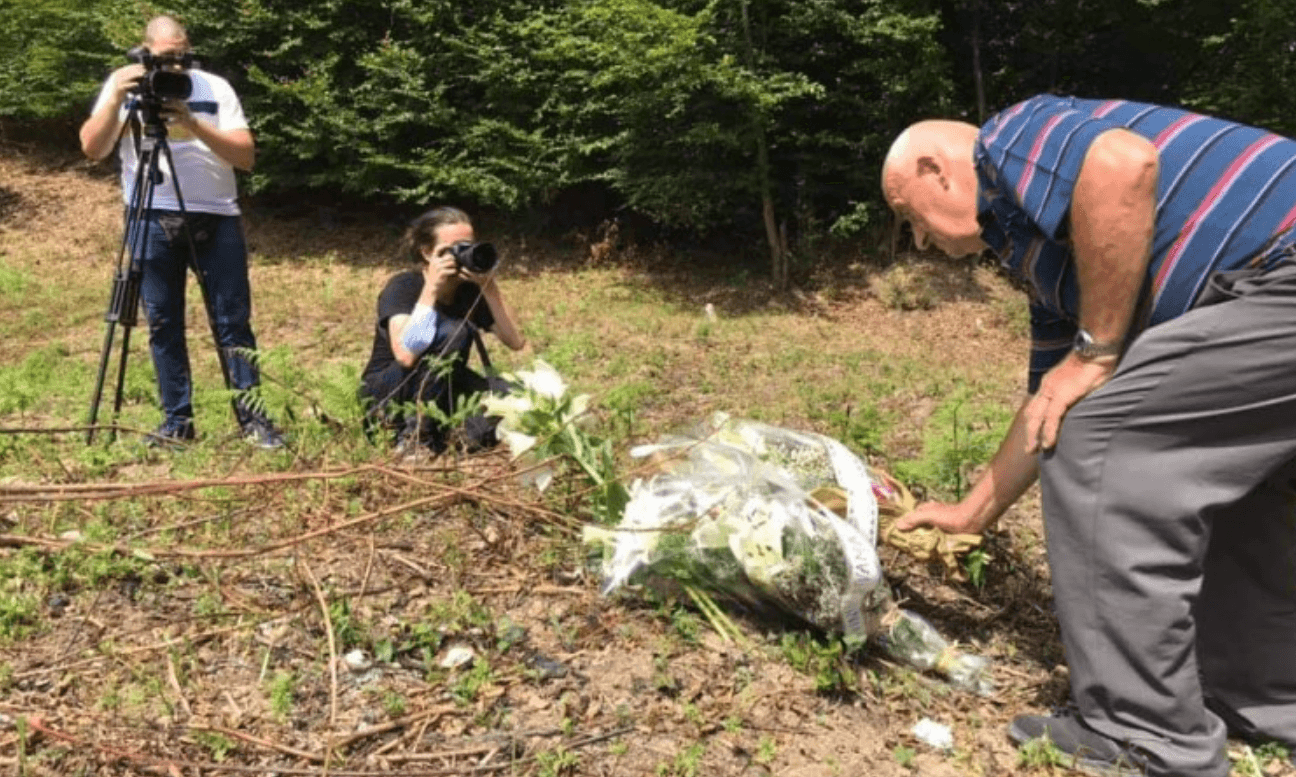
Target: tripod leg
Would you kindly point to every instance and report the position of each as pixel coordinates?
(104, 355)
(123, 304)
(121, 381)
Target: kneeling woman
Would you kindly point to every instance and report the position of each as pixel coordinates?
(428, 320)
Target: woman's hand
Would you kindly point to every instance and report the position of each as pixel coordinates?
(437, 272)
(486, 280)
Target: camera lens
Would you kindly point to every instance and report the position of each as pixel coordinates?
(475, 257)
(169, 84)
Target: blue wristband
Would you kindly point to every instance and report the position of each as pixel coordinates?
(420, 331)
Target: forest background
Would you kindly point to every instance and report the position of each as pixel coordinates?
(761, 123)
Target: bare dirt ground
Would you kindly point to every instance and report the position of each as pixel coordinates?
(317, 637)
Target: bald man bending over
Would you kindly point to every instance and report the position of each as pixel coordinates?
(1157, 247)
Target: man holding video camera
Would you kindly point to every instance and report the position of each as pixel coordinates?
(209, 138)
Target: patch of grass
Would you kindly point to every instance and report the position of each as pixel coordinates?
(466, 687)
(348, 631)
(824, 661)
(975, 564)
(282, 690)
(557, 762)
(687, 763)
(962, 433)
(1040, 753)
(394, 703)
(215, 743)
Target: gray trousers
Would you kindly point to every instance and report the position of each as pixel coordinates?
(1171, 524)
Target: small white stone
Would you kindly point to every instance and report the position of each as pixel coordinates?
(357, 661)
(938, 735)
(457, 655)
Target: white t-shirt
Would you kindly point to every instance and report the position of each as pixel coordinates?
(207, 182)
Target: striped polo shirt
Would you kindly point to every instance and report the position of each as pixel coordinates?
(1226, 199)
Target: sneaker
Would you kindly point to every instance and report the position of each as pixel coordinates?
(261, 432)
(173, 433)
(1087, 750)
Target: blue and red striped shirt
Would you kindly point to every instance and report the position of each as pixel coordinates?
(1226, 198)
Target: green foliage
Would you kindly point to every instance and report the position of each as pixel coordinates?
(214, 742)
(558, 762)
(347, 631)
(1252, 74)
(824, 661)
(26, 385)
(961, 434)
(468, 685)
(974, 564)
(1040, 753)
(687, 763)
(686, 111)
(281, 690)
(56, 55)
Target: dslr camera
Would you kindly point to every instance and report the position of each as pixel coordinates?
(475, 257)
(164, 77)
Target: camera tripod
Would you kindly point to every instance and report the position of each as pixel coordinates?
(123, 302)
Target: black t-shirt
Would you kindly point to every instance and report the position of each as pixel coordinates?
(401, 294)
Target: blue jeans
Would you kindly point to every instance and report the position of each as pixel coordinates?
(221, 256)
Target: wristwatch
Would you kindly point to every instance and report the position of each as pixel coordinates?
(1087, 348)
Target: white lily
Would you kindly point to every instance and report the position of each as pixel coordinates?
(544, 380)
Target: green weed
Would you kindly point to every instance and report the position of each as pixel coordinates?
(215, 743)
(282, 689)
(975, 564)
(465, 689)
(1040, 753)
(557, 762)
(394, 703)
(687, 763)
(961, 434)
(824, 661)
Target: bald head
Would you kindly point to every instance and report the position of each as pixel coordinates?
(929, 180)
(164, 34)
(939, 140)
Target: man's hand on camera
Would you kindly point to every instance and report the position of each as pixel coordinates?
(177, 112)
(125, 79)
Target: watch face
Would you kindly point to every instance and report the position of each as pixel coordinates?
(1087, 348)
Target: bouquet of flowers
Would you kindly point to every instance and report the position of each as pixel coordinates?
(731, 515)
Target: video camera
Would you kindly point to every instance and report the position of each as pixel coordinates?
(475, 257)
(164, 77)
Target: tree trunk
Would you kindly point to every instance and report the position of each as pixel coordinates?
(778, 254)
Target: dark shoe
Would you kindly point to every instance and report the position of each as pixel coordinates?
(261, 432)
(1086, 750)
(173, 433)
(419, 438)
